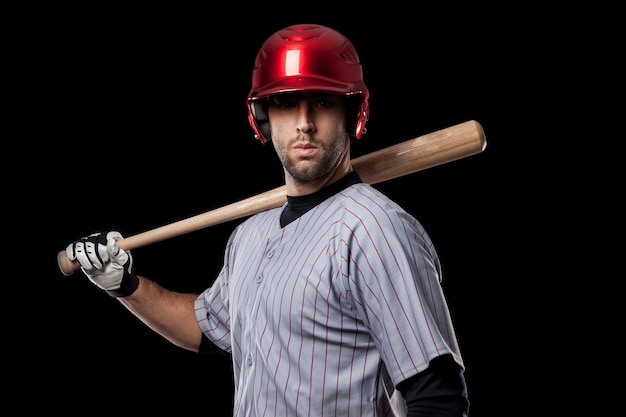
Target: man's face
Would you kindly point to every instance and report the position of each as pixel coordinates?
(309, 133)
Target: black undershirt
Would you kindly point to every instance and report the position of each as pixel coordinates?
(438, 390)
(297, 206)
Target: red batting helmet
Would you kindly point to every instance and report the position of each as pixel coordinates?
(306, 57)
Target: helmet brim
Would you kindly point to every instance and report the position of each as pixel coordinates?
(307, 83)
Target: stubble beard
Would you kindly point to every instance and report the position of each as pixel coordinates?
(314, 171)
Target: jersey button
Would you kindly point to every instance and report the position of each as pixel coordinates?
(249, 360)
(259, 278)
(270, 253)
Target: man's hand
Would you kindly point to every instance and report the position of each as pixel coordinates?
(105, 264)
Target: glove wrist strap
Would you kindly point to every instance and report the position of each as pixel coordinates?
(129, 284)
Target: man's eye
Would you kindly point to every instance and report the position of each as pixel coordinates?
(323, 103)
(282, 104)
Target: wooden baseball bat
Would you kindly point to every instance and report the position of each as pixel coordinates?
(436, 148)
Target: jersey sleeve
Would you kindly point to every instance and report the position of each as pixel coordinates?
(394, 281)
(212, 307)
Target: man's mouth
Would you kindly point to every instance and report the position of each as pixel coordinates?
(304, 150)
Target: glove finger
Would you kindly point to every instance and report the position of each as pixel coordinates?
(70, 251)
(113, 235)
(112, 249)
(96, 248)
(86, 254)
(115, 253)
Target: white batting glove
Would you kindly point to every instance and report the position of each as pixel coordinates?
(105, 264)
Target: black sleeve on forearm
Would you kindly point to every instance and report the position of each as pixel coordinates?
(439, 390)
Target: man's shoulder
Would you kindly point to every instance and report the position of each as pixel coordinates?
(369, 199)
(365, 190)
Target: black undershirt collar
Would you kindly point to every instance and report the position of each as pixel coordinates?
(297, 206)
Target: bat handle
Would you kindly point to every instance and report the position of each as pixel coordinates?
(66, 266)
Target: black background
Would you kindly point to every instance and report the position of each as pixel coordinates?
(137, 119)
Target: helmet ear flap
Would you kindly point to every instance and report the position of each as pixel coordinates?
(258, 109)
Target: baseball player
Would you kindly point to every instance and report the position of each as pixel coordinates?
(331, 304)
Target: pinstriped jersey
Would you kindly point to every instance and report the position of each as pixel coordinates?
(322, 314)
